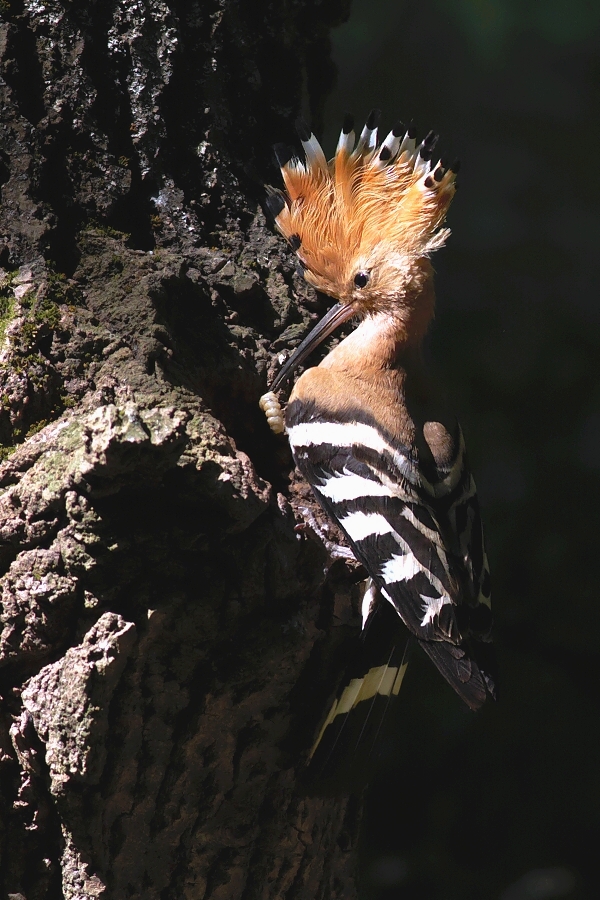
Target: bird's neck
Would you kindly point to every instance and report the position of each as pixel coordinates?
(377, 373)
(386, 341)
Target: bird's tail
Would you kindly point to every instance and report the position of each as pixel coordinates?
(346, 749)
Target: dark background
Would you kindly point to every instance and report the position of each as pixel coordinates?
(504, 804)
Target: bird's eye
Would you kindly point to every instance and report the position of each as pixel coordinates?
(361, 279)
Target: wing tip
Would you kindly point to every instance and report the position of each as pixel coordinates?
(472, 679)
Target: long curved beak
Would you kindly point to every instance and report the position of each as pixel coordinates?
(336, 316)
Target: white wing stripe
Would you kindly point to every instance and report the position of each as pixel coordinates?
(361, 525)
(310, 434)
(368, 600)
(402, 568)
(431, 535)
(433, 606)
(349, 486)
(406, 566)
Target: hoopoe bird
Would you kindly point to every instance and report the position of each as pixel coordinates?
(367, 428)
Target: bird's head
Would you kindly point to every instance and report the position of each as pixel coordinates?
(364, 224)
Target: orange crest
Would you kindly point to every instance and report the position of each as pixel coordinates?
(375, 209)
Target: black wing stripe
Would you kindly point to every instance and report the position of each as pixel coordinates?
(366, 442)
(412, 550)
(437, 480)
(418, 533)
(385, 462)
(383, 528)
(417, 589)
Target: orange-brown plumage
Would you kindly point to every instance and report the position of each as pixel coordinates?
(369, 209)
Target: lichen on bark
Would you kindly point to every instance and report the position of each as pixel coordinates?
(167, 636)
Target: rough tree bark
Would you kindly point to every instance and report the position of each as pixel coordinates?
(167, 636)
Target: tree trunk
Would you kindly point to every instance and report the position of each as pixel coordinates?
(168, 637)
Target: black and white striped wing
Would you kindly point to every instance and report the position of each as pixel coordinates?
(419, 538)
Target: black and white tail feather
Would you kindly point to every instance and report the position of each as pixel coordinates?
(344, 754)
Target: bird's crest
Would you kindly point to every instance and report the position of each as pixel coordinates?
(371, 203)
